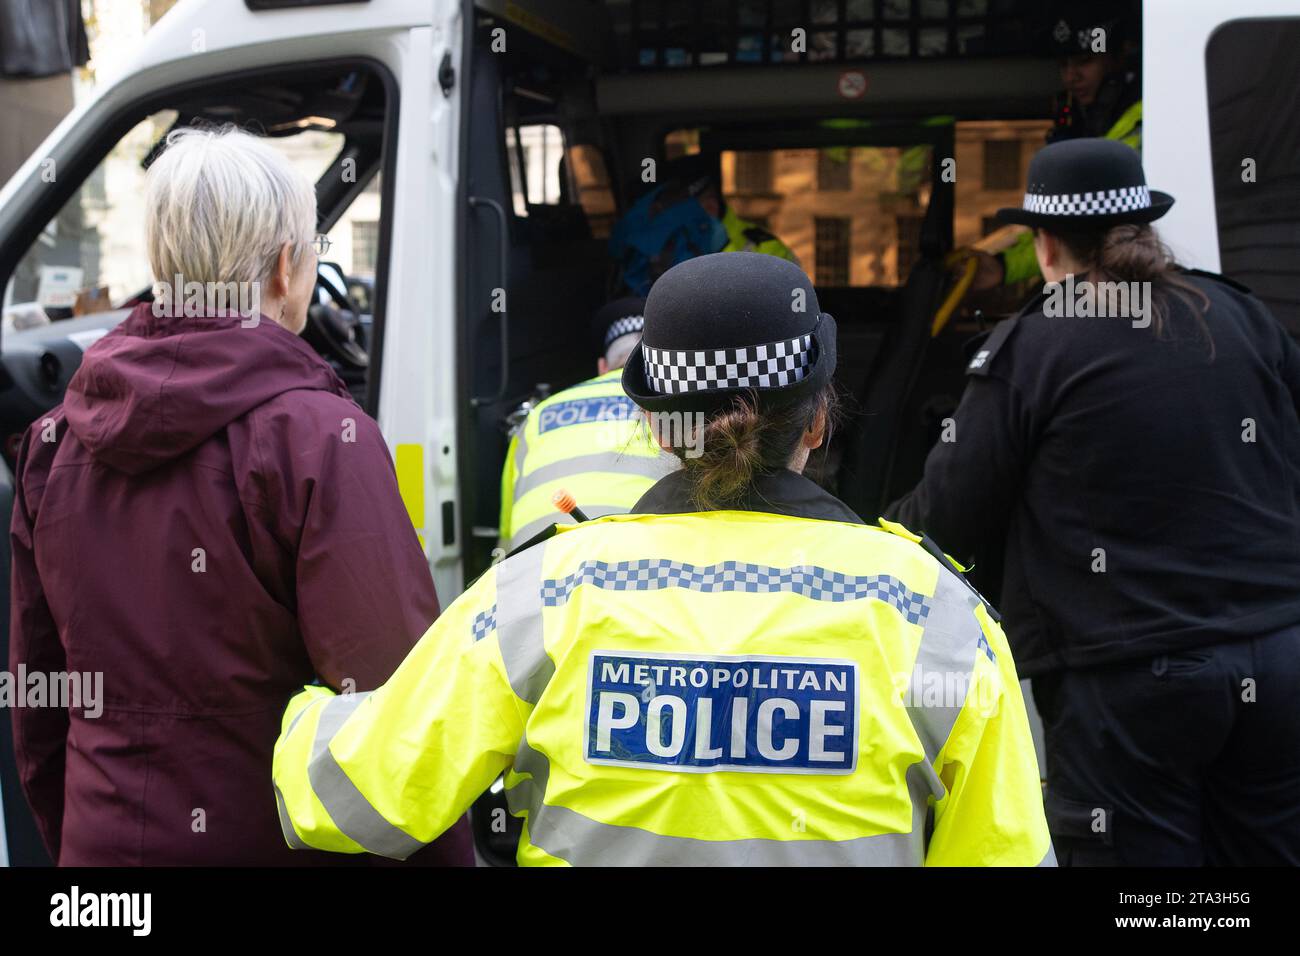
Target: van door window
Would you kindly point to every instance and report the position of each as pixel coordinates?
(91, 255)
(89, 259)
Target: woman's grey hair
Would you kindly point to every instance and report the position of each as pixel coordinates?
(620, 349)
(220, 204)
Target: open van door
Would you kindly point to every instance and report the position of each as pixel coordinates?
(1222, 133)
(365, 98)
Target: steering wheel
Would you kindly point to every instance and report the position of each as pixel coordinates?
(334, 321)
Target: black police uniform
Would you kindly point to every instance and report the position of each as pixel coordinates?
(1147, 493)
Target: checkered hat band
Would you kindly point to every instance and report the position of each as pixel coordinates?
(773, 365)
(624, 326)
(1102, 203)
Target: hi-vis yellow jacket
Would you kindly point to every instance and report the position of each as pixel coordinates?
(588, 440)
(746, 236)
(727, 688)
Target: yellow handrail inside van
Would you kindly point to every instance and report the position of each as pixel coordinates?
(954, 297)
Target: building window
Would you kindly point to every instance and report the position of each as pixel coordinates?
(1002, 164)
(909, 244)
(753, 172)
(365, 246)
(834, 173)
(535, 161)
(832, 250)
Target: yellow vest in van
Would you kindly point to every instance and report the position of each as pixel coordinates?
(589, 440)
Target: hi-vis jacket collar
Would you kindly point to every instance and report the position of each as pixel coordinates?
(782, 493)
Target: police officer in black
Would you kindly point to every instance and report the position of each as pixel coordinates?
(1101, 92)
(1130, 444)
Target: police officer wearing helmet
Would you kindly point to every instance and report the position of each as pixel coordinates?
(1101, 94)
(588, 440)
(665, 686)
(1101, 97)
(1129, 446)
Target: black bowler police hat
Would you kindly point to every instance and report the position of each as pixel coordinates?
(613, 320)
(728, 324)
(1086, 183)
(1071, 24)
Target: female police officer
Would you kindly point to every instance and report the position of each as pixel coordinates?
(1132, 438)
(739, 672)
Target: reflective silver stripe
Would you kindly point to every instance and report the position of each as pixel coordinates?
(922, 784)
(296, 717)
(582, 841)
(334, 713)
(526, 795)
(286, 825)
(1049, 858)
(521, 449)
(519, 623)
(577, 839)
(619, 462)
(946, 659)
(346, 805)
(541, 524)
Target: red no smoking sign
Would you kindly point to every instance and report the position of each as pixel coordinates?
(852, 84)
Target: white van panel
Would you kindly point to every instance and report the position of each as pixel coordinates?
(1176, 126)
(418, 375)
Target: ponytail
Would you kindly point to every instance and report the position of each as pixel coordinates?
(731, 455)
(742, 443)
(1134, 253)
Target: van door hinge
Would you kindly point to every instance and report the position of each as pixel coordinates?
(446, 74)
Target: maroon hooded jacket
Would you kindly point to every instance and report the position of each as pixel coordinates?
(214, 524)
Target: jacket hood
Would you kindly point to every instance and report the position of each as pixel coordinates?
(155, 387)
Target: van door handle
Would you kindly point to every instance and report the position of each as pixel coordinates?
(504, 236)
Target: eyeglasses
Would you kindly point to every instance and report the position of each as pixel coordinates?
(321, 244)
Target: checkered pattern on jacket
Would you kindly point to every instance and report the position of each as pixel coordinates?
(819, 584)
(485, 622)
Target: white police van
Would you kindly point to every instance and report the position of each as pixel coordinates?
(465, 147)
